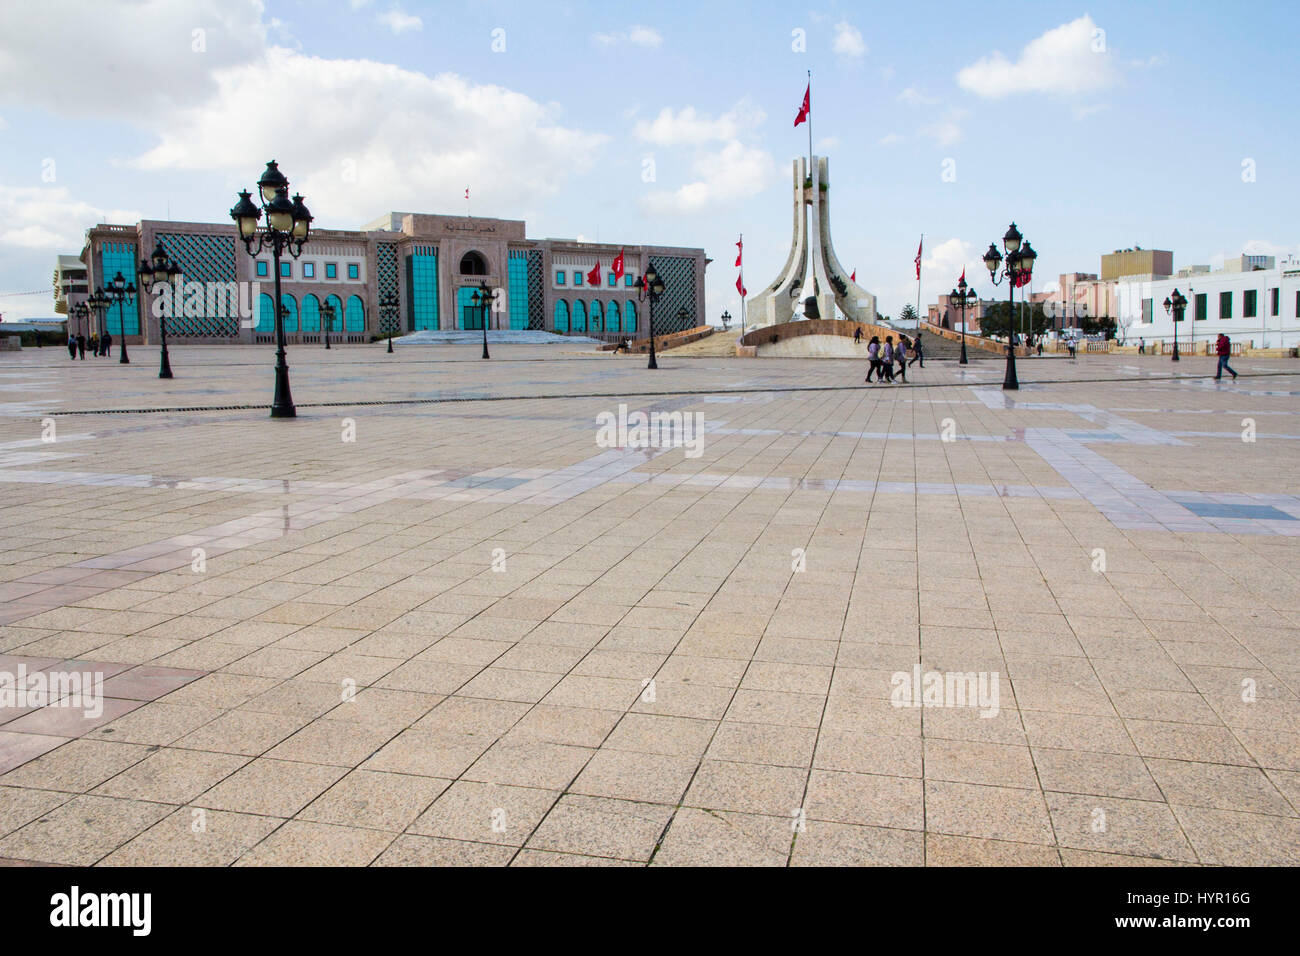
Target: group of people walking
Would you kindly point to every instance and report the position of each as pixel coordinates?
(885, 356)
(98, 345)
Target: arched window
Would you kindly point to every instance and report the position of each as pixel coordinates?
(310, 313)
(356, 318)
(629, 316)
(597, 319)
(612, 317)
(473, 264)
(561, 317)
(265, 313)
(579, 316)
(290, 312)
(336, 324)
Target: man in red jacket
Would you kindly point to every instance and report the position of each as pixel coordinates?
(1223, 346)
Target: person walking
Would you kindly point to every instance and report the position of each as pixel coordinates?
(873, 355)
(107, 343)
(918, 355)
(1142, 346)
(887, 359)
(81, 346)
(857, 335)
(72, 346)
(1223, 346)
(900, 354)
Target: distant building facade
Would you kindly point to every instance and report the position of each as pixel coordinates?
(431, 264)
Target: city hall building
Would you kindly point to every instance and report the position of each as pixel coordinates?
(431, 264)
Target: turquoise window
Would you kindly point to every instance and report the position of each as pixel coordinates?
(422, 288)
(597, 319)
(265, 313)
(309, 270)
(561, 316)
(286, 270)
(517, 288)
(354, 271)
(613, 279)
(612, 318)
(629, 316)
(579, 316)
(356, 318)
(331, 270)
(560, 276)
(115, 257)
(335, 324)
(290, 312)
(310, 313)
(577, 278)
(471, 316)
(629, 281)
(263, 268)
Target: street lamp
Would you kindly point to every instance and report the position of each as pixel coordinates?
(1175, 305)
(288, 224)
(81, 312)
(1018, 271)
(157, 269)
(963, 296)
(327, 316)
(387, 316)
(726, 320)
(98, 303)
(482, 299)
(652, 286)
(119, 290)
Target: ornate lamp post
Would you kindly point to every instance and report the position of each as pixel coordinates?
(963, 297)
(726, 320)
(81, 312)
(288, 224)
(119, 290)
(652, 287)
(388, 316)
(97, 301)
(482, 300)
(1019, 268)
(327, 319)
(155, 270)
(1175, 305)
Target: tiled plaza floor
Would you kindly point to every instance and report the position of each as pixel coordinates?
(447, 627)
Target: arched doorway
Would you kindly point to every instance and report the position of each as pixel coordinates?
(473, 264)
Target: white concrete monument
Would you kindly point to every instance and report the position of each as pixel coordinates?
(812, 277)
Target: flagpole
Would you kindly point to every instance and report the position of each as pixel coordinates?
(810, 153)
(742, 285)
(918, 282)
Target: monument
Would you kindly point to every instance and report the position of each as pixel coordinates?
(812, 284)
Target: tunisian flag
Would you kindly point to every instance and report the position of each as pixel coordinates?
(918, 258)
(740, 279)
(853, 276)
(618, 266)
(802, 116)
(593, 277)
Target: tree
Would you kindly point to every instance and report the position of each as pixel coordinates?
(908, 315)
(994, 321)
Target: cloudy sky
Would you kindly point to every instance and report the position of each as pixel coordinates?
(1117, 124)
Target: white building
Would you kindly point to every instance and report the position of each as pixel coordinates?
(1256, 306)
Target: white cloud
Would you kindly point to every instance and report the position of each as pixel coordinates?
(890, 139)
(1064, 60)
(946, 131)
(399, 21)
(827, 143)
(367, 137)
(914, 97)
(734, 172)
(848, 40)
(689, 127)
(645, 37)
(50, 218)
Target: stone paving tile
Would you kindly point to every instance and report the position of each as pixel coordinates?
(350, 661)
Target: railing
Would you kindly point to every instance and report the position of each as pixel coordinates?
(972, 341)
(669, 340)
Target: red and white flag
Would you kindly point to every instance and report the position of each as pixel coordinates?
(806, 108)
(618, 266)
(740, 279)
(853, 276)
(963, 274)
(740, 286)
(593, 277)
(740, 251)
(918, 257)
(466, 192)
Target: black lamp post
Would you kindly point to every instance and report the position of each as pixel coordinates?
(288, 224)
(652, 286)
(1175, 305)
(963, 297)
(726, 320)
(80, 312)
(98, 303)
(387, 315)
(327, 317)
(157, 269)
(682, 318)
(119, 290)
(482, 300)
(1018, 270)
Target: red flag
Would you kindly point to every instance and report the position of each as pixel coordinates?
(963, 273)
(1022, 278)
(466, 192)
(918, 257)
(593, 277)
(740, 286)
(853, 277)
(740, 251)
(807, 106)
(618, 266)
